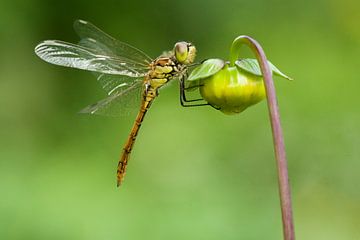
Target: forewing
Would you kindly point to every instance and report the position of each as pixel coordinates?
(102, 49)
(121, 101)
(75, 56)
(88, 32)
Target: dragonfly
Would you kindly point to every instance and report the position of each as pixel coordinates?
(125, 72)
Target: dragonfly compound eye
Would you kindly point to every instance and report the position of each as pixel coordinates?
(181, 51)
(191, 54)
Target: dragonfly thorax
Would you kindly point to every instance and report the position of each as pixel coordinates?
(162, 70)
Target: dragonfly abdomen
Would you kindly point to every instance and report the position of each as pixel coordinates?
(145, 105)
(162, 70)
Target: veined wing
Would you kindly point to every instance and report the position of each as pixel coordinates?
(113, 84)
(121, 101)
(75, 56)
(93, 37)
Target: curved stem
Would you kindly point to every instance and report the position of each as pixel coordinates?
(283, 178)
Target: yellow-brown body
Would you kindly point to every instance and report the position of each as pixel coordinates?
(162, 70)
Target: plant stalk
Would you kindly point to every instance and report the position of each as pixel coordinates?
(279, 146)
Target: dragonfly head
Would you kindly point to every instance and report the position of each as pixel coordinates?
(185, 52)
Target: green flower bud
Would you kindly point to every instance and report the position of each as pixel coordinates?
(232, 90)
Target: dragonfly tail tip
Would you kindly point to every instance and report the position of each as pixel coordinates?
(118, 183)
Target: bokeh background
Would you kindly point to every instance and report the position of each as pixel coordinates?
(194, 173)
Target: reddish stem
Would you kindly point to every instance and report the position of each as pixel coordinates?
(283, 178)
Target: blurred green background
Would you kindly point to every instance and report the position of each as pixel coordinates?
(194, 173)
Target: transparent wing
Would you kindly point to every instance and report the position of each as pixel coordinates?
(113, 84)
(75, 56)
(90, 34)
(121, 102)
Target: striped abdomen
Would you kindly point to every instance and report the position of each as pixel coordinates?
(145, 105)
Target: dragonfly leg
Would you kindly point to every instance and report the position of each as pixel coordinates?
(192, 87)
(183, 94)
(184, 100)
(189, 88)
